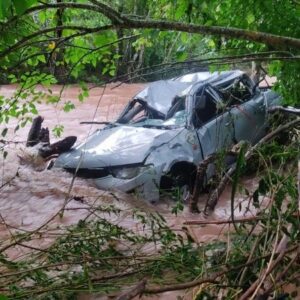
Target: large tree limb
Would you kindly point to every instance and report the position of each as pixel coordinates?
(276, 41)
(121, 22)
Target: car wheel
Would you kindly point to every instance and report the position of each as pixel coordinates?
(182, 187)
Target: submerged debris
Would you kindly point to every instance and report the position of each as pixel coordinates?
(39, 136)
(34, 132)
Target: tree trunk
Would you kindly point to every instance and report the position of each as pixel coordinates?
(256, 71)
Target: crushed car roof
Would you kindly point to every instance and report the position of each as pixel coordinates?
(159, 94)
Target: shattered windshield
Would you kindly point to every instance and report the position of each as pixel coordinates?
(138, 113)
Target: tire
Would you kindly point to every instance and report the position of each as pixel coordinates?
(178, 186)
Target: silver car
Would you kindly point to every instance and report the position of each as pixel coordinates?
(167, 129)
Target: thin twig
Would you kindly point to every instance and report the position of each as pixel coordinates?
(220, 222)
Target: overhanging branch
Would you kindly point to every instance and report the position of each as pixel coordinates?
(121, 22)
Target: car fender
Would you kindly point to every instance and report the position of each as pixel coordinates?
(184, 148)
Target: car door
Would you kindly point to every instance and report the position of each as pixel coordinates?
(250, 119)
(247, 108)
(213, 124)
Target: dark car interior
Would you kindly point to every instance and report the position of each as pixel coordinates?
(138, 111)
(236, 93)
(205, 109)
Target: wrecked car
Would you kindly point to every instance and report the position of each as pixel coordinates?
(168, 128)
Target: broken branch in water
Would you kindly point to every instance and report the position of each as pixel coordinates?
(94, 122)
(221, 222)
(38, 135)
(200, 175)
(58, 147)
(34, 132)
(201, 171)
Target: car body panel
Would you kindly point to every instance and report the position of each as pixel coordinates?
(114, 146)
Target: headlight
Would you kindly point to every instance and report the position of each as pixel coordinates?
(129, 172)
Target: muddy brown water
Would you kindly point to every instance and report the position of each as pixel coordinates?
(36, 195)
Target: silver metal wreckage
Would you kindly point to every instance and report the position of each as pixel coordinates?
(168, 128)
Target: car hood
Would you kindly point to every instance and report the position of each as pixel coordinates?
(120, 145)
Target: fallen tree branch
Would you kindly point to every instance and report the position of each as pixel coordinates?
(267, 272)
(289, 109)
(212, 201)
(212, 278)
(201, 171)
(34, 132)
(221, 222)
(120, 21)
(269, 287)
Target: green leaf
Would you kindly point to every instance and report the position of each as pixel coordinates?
(5, 153)
(41, 58)
(22, 5)
(4, 132)
(4, 8)
(181, 56)
(68, 106)
(58, 130)
(80, 97)
(85, 93)
(3, 297)
(250, 18)
(52, 99)
(112, 72)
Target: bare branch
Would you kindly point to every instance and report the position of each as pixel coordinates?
(289, 109)
(222, 222)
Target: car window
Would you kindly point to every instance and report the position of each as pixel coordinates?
(138, 112)
(205, 108)
(236, 93)
(178, 104)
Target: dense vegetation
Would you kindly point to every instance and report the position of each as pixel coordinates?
(80, 41)
(60, 41)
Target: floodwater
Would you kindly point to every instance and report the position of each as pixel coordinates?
(36, 195)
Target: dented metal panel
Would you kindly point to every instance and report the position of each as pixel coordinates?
(159, 95)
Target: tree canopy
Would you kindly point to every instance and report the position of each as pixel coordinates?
(44, 42)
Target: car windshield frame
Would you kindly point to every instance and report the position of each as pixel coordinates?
(150, 117)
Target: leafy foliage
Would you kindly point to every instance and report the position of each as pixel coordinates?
(73, 44)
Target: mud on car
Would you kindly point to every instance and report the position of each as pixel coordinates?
(168, 128)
